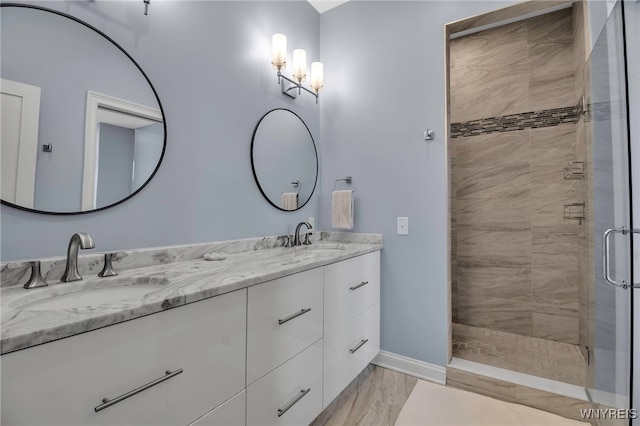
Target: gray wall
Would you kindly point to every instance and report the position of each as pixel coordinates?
(387, 86)
(210, 64)
(115, 163)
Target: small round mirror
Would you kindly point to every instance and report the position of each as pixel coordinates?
(284, 159)
(82, 126)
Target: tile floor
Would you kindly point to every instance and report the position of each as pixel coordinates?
(381, 397)
(374, 398)
(530, 355)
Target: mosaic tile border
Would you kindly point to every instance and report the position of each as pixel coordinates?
(521, 121)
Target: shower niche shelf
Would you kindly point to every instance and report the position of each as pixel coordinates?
(574, 211)
(574, 170)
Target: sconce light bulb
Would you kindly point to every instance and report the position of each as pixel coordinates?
(279, 51)
(299, 64)
(317, 76)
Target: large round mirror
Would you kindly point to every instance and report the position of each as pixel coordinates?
(82, 126)
(284, 159)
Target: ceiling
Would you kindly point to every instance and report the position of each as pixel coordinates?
(324, 5)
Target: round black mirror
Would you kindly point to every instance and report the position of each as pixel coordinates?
(284, 159)
(82, 126)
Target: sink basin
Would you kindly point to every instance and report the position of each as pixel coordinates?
(300, 253)
(79, 297)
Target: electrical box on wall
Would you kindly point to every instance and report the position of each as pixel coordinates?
(403, 226)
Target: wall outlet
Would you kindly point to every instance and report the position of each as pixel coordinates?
(403, 226)
(312, 222)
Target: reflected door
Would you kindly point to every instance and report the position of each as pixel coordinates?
(20, 105)
(608, 202)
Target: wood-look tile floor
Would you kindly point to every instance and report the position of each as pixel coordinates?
(375, 397)
(539, 357)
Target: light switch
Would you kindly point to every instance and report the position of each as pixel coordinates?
(403, 226)
(312, 222)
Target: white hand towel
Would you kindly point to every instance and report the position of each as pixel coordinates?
(289, 200)
(342, 210)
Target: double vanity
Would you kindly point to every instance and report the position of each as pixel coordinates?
(267, 335)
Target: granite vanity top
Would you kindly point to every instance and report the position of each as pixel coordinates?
(166, 284)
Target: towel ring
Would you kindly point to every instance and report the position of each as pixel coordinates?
(347, 180)
(296, 184)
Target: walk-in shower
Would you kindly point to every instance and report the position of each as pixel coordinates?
(538, 155)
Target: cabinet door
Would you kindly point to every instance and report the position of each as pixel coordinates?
(349, 350)
(350, 286)
(284, 318)
(295, 388)
(60, 383)
(230, 413)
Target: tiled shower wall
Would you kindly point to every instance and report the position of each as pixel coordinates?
(513, 105)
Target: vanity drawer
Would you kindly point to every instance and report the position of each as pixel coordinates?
(351, 286)
(284, 388)
(60, 383)
(230, 413)
(279, 322)
(346, 353)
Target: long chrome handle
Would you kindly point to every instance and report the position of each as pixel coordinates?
(292, 316)
(293, 402)
(606, 272)
(106, 402)
(357, 286)
(358, 346)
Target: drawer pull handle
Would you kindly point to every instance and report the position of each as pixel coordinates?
(106, 402)
(358, 346)
(292, 316)
(357, 286)
(293, 402)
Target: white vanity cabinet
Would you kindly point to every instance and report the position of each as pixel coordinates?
(289, 395)
(284, 317)
(61, 382)
(275, 353)
(351, 320)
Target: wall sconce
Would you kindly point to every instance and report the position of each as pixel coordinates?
(279, 61)
(146, 6)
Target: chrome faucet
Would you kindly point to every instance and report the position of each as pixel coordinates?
(296, 238)
(80, 240)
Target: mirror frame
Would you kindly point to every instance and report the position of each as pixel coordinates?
(153, 89)
(253, 164)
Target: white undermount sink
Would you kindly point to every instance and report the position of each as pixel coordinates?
(77, 296)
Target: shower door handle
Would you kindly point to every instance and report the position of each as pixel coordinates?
(606, 257)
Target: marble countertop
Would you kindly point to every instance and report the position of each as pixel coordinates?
(172, 284)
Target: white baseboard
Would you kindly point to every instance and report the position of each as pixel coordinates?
(412, 367)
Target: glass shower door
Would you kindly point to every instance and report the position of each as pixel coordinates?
(608, 195)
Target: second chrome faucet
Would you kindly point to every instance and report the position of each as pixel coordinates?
(296, 238)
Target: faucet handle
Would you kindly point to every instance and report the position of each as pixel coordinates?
(306, 240)
(36, 279)
(288, 242)
(108, 270)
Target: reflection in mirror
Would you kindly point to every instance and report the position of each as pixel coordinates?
(82, 127)
(284, 159)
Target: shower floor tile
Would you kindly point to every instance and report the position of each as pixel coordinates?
(539, 357)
